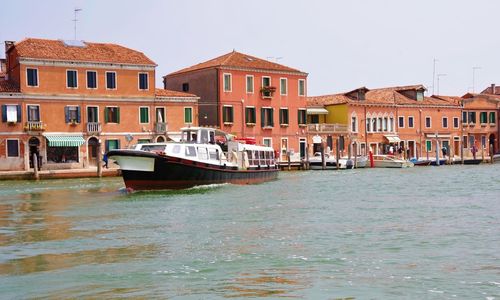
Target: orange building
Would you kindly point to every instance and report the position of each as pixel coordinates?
(61, 100)
(400, 120)
(249, 97)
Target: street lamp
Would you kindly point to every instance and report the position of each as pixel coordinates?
(438, 76)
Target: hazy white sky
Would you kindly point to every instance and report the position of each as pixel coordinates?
(341, 44)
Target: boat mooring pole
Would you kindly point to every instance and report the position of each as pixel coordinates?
(370, 154)
(35, 166)
(437, 151)
(337, 154)
(99, 160)
(355, 155)
(323, 161)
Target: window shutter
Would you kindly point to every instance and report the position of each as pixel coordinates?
(118, 115)
(19, 113)
(78, 115)
(107, 146)
(106, 115)
(66, 113)
(282, 116)
(272, 117)
(262, 117)
(4, 113)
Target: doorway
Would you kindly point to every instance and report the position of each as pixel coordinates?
(34, 146)
(411, 148)
(302, 148)
(93, 148)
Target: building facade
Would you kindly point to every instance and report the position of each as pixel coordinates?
(249, 97)
(64, 101)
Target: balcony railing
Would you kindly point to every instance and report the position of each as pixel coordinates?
(161, 127)
(94, 127)
(34, 126)
(326, 128)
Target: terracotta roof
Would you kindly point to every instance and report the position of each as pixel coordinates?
(389, 96)
(239, 60)
(495, 90)
(170, 93)
(91, 52)
(8, 86)
(450, 99)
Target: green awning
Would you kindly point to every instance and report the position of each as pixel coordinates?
(65, 140)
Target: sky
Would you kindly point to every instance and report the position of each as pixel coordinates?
(341, 44)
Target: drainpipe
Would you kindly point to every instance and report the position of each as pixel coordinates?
(420, 128)
(366, 134)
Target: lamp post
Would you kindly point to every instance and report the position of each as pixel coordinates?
(438, 76)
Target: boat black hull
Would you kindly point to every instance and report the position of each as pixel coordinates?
(472, 161)
(176, 173)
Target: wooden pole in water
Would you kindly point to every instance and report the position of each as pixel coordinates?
(337, 154)
(482, 153)
(355, 155)
(99, 160)
(288, 158)
(323, 161)
(35, 166)
(437, 151)
(491, 153)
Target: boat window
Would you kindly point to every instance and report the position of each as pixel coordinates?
(213, 153)
(190, 151)
(202, 153)
(204, 136)
(212, 137)
(176, 149)
(153, 147)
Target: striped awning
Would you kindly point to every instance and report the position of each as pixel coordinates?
(317, 111)
(65, 140)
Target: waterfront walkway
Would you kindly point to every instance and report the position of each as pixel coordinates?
(55, 174)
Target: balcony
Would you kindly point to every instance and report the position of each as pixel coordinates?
(94, 127)
(326, 128)
(267, 92)
(161, 127)
(34, 126)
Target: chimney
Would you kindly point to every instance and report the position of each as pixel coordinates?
(8, 45)
(3, 67)
(493, 87)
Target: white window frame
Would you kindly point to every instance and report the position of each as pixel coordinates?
(184, 116)
(288, 113)
(413, 118)
(87, 80)
(270, 81)
(246, 84)
(74, 108)
(255, 111)
(37, 77)
(106, 80)
(7, 147)
(458, 122)
(356, 126)
(68, 87)
(298, 87)
(15, 105)
(286, 86)
(111, 106)
(430, 122)
(230, 82)
(399, 123)
(139, 81)
(149, 115)
(267, 139)
(223, 107)
(164, 111)
(442, 122)
(39, 112)
(87, 111)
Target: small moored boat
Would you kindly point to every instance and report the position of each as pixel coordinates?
(315, 162)
(204, 156)
(389, 161)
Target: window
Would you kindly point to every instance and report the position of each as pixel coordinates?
(483, 117)
(227, 114)
(32, 75)
(314, 119)
(401, 123)
(420, 95)
(445, 122)
(483, 141)
(188, 115)
(11, 113)
(302, 87)
(72, 79)
(92, 114)
(111, 80)
(202, 153)
(379, 124)
(250, 116)
(428, 145)
(12, 148)
(266, 81)
(91, 79)
(227, 82)
(268, 142)
(249, 84)
(427, 122)
(354, 124)
(492, 118)
(112, 145)
(283, 86)
(190, 151)
(143, 81)
(368, 124)
(33, 113)
(302, 115)
(72, 114)
(472, 140)
(143, 141)
(374, 124)
(143, 114)
(112, 114)
(160, 115)
(472, 117)
(391, 124)
(464, 141)
(410, 122)
(384, 124)
(464, 117)
(284, 116)
(455, 122)
(185, 87)
(267, 117)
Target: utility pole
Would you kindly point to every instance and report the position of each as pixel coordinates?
(76, 10)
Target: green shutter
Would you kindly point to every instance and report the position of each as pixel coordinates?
(272, 116)
(66, 114)
(262, 117)
(117, 115)
(106, 115)
(78, 115)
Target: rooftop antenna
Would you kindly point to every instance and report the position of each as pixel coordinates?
(76, 10)
(434, 75)
(474, 78)
(439, 75)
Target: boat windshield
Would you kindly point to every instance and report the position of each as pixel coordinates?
(153, 147)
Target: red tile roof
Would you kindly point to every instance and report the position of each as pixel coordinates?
(492, 90)
(387, 96)
(8, 86)
(170, 93)
(238, 60)
(91, 52)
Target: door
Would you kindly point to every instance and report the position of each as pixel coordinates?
(302, 148)
(284, 149)
(34, 147)
(411, 148)
(93, 148)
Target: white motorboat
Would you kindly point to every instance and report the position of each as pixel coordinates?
(315, 162)
(389, 161)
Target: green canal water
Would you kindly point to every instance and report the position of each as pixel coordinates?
(420, 233)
